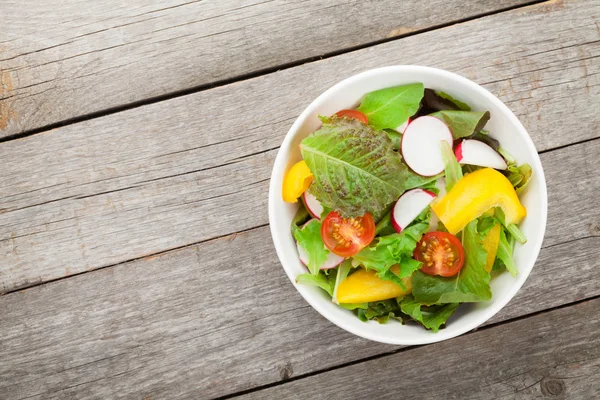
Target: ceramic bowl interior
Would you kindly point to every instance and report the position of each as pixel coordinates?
(503, 126)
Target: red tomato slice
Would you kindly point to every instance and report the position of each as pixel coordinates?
(353, 114)
(441, 254)
(347, 236)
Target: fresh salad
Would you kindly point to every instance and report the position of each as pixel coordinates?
(408, 206)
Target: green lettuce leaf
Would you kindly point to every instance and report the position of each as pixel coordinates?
(309, 238)
(471, 284)
(452, 167)
(320, 280)
(354, 306)
(355, 169)
(511, 228)
(417, 181)
(504, 253)
(384, 227)
(430, 317)
(391, 107)
(300, 218)
(463, 123)
(518, 175)
(342, 273)
(485, 224)
(381, 311)
(394, 249)
(395, 137)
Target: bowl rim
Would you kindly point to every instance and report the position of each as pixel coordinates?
(281, 159)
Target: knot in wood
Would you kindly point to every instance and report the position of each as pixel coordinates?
(552, 387)
(286, 371)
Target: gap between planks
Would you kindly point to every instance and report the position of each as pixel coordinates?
(401, 350)
(254, 74)
(233, 234)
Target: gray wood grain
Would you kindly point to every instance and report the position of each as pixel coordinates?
(60, 60)
(552, 355)
(141, 214)
(220, 317)
(185, 170)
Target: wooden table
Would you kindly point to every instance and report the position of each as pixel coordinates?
(136, 143)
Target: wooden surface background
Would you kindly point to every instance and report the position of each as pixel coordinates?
(136, 145)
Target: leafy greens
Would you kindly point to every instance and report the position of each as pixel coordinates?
(355, 169)
(391, 107)
(393, 249)
(463, 123)
(471, 284)
(432, 317)
(309, 238)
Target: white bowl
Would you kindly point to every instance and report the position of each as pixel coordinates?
(503, 126)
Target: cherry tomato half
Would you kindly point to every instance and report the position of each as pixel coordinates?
(347, 236)
(353, 114)
(441, 254)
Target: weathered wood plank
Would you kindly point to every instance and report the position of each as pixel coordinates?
(167, 175)
(555, 354)
(84, 232)
(210, 320)
(60, 60)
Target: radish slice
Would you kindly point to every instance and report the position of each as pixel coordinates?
(313, 205)
(421, 145)
(474, 152)
(409, 206)
(402, 127)
(332, 261)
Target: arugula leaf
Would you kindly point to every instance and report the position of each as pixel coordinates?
(452, 169)
(394, 249)
(319, 280)
(484, 137)
(391, 107)
(438, 101)
(459, 104)
(355, 169)
(471, 284)
(430, 317)
(463, 123)
(309, 238)
(505, 254)
(342, 273)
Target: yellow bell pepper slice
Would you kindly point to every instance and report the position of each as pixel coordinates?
(490, 244)
(365, 286)
(296, 181)
(473, 195)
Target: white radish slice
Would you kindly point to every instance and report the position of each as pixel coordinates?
(332, 261)
(313, 205)
(409, 206)
(421, 145)
(402, 127)
(440, 184)
(474, 152)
